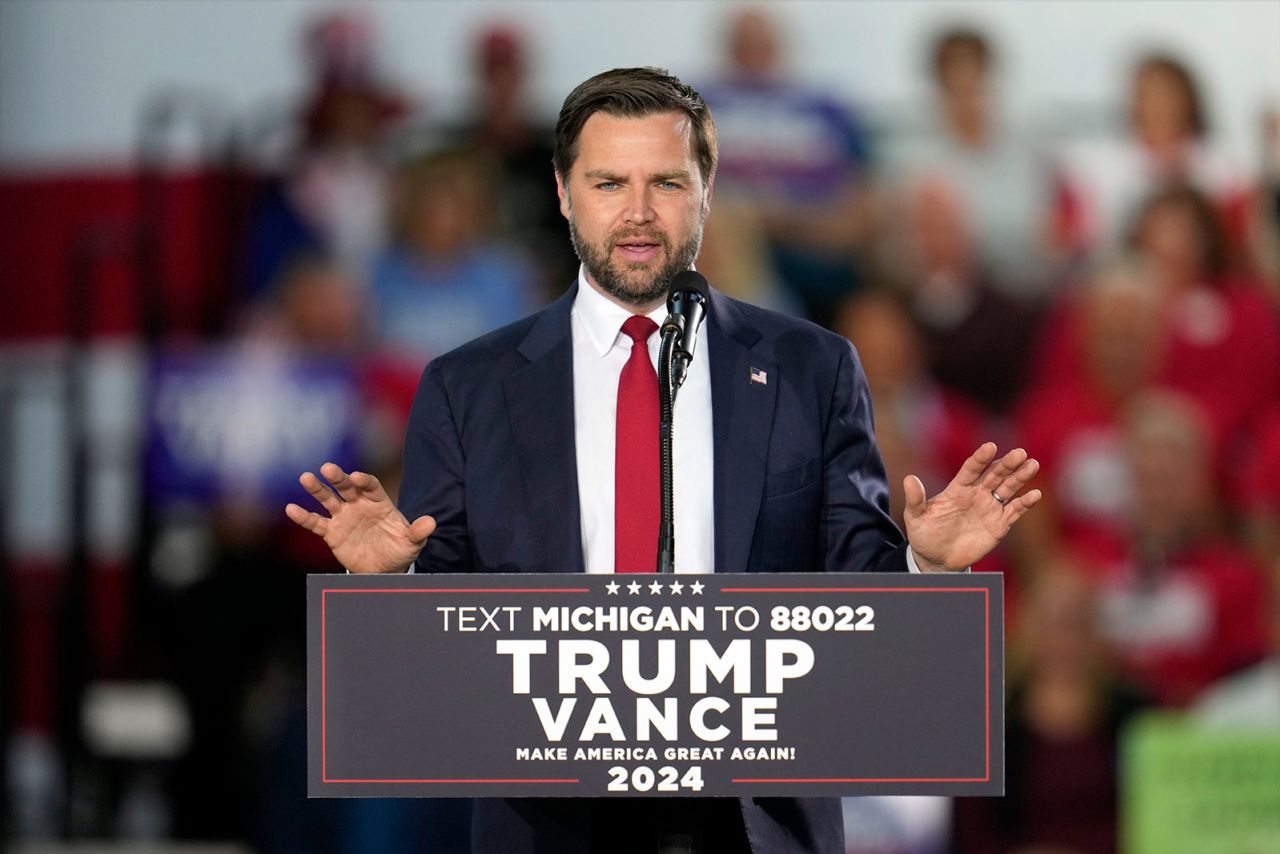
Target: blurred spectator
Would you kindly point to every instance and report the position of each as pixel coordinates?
(1074, 424)
(1181, 604)
(1227, 336)
(313, 307)
(244, 775)
(1249, 699)
(798, 157)
(1223, 334)
(253, 580)
(1168, 143)
(334, 197)
(314, 311)
(1266, 237)
(978, 338)
(500, 126)
(1004, 186)
(921, 428)
(1064, 716)
(735, 258)
(446, 280)
(1259, 495)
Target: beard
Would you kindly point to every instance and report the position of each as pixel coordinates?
(635, 284)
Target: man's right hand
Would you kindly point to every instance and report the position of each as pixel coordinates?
(364, 529)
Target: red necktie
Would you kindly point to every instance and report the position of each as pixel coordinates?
(635, 508)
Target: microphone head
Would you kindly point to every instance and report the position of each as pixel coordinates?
(689, 282)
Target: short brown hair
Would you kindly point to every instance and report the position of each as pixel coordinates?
(1180, 73)
(1207, 219)
(634, 93)
(948, 44)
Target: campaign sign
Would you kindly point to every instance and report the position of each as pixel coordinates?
(1191, 787)
(615, 685)
(245, 422)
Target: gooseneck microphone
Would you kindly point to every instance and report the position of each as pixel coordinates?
(687, 303)
(688, 300)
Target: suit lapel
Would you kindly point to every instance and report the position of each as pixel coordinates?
(539, 400)
(742, 421)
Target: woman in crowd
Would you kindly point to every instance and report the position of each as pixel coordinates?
(1168, 143)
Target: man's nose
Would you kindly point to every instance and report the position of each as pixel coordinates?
(639, 209)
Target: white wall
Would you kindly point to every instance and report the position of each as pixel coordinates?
(74, 73)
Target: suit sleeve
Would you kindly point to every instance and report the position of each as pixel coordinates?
(433, 481)
(858, 533)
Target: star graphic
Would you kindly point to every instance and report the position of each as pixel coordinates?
(634, 588)
(696, 588)
(612, 587)
(676, 588)
(656, 588)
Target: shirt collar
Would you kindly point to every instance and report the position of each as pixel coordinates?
(602, 317)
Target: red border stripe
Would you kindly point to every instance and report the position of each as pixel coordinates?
(514, 780)
(850, 589)
(457, 590)
(858, 780)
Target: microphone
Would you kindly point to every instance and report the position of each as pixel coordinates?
(688, 299)
(687, 302)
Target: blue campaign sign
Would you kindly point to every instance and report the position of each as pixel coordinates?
(246, 422)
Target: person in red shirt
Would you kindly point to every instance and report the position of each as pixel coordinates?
(921, 427)
(1181, 605)
(1075, 421)
(1223, 335)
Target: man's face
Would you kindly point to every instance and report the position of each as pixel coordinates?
(635, 203)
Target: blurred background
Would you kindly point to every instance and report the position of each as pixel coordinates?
(232, 233)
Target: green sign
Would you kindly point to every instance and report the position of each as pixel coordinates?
(1189, 789)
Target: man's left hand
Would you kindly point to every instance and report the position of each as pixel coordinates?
(962, 524)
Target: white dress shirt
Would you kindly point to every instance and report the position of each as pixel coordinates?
(599, 352)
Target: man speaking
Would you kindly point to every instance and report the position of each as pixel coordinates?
(535, 449)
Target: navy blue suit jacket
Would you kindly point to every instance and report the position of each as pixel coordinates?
(799, 486)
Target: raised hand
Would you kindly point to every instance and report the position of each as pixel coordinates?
(364, 529)
(962, 524)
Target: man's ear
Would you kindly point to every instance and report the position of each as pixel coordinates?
(706, 198)
(563, 192)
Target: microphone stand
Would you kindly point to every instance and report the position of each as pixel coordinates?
(667, 388)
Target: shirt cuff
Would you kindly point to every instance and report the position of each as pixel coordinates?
(413, 567)
(912, 566)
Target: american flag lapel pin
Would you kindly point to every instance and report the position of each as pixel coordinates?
(759, 376)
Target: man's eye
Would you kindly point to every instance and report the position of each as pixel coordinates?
(607, 185)
(669, 185)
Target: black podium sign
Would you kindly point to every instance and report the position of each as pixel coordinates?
(697, 685)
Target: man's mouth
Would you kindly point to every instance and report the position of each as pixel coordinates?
(638, 250)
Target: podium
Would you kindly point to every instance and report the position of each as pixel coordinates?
(721, 685)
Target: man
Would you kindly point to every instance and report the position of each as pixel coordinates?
(516, 451)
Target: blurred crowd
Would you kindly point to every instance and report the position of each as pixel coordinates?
(1107, 300)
